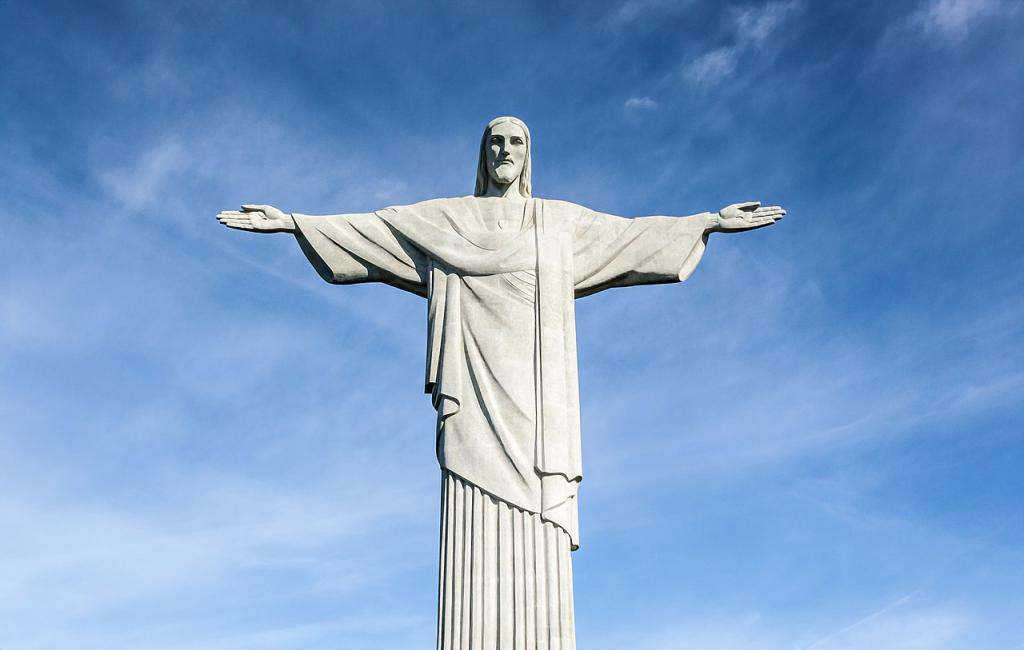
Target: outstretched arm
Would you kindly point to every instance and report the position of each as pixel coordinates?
(343, 248)
(612, 251)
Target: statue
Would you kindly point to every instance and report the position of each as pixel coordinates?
(500, 271)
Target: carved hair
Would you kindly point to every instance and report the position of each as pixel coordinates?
(483, 176)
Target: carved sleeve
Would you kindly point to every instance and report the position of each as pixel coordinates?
(610, 251)
(355, 248)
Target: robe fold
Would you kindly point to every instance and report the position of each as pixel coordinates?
(500, 277)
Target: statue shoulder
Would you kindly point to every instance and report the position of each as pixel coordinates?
(428, 204)
(567, 212)
(567, 207)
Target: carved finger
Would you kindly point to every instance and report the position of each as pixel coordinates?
(249, 207)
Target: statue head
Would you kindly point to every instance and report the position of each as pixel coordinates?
(505, 156)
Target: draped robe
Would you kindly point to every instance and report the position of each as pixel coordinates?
(500, 276)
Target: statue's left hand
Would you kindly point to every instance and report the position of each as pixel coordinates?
(747, 216)
(258, 218)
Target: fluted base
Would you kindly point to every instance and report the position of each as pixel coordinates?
(506, 575)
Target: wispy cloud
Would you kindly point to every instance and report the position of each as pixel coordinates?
(760, 24)
(951, 21)
(633, 10)
(141, 184)
(897, 626)
(943, 24)
(640, 103)
(712, 67)
(752, 31)
(860, 623)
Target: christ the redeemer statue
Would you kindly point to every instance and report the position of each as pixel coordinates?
(500, 271)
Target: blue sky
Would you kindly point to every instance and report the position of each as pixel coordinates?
(814, 444)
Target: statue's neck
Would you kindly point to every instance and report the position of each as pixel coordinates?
(503, 190)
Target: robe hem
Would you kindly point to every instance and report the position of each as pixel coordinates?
(573, 542)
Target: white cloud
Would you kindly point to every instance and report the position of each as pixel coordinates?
(941, 23)
(900, 627)
(640, 103)
(712, 67)
(952, 20)
(761, 23)
(137, 185)
(633, 10)
(752, 31)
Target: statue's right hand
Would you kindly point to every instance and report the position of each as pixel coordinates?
(258, 218)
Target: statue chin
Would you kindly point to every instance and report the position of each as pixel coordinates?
(505, 175)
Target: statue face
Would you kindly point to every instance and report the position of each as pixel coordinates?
(506, 152)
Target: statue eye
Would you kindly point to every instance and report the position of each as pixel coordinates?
(517, 141)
